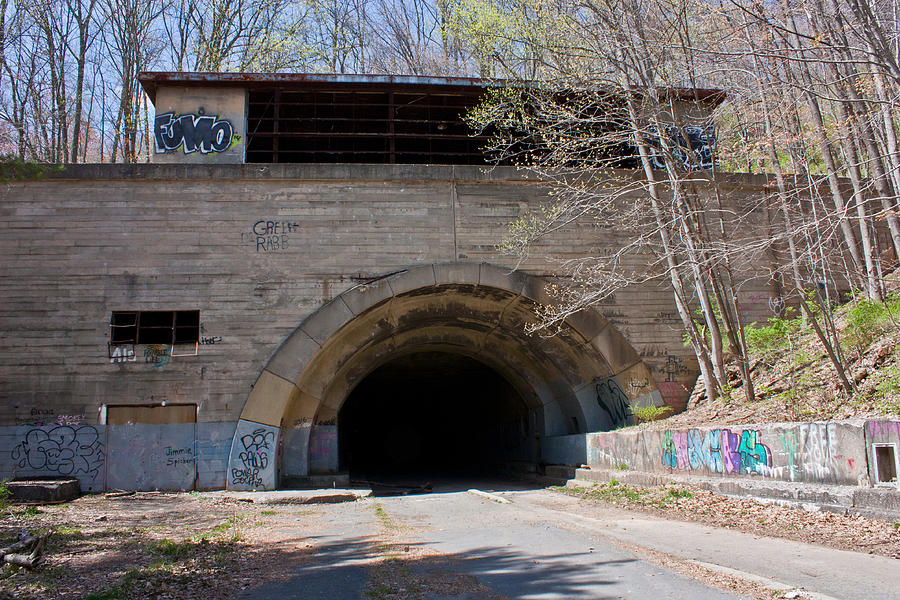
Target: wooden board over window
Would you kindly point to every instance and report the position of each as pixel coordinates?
(154, 414)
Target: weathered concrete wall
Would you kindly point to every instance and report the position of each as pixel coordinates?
(565, 449)
(256, 249)
(835, 452)
(166, 457)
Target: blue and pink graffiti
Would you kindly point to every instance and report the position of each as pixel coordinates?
(719, 450)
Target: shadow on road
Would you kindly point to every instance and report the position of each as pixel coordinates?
(342, 569)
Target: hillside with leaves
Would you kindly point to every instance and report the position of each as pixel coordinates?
(794, 379)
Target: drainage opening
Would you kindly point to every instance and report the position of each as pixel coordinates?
(886, 463)
(431, 415)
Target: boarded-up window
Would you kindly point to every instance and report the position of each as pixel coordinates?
(154, 414)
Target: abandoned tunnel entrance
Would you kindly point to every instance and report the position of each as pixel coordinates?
(431, 415)
(431, 367)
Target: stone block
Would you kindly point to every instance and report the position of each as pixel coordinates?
(364, 296)
(588, 322)
(43, 491)
(615, 349)
(412, 279)
(502, 278)
(293, 355)
(268, 399)
(323, 323)
(457, 272)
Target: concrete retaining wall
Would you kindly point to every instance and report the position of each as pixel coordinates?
(836, 452)
(181, 456)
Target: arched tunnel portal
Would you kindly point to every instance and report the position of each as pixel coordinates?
(431, 368)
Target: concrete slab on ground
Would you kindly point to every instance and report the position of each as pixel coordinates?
(326, 496)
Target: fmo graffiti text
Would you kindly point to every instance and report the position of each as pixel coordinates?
(191, 133)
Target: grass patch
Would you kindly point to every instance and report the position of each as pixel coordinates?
(869, 320)
(173, 550)
(616, 492)
(221, 529)
(386, 520)
(269, 513)
(645, 414)
(676, 493)
(30, 512)
(380, 592)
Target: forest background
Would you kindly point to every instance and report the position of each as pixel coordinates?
(812, 88)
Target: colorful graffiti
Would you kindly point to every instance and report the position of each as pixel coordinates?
(719, 450)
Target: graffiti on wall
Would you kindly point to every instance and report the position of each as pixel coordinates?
(179, 456)
(122, 354)
(65, 450)
(157, 355)
(270, 235)
(884, 428)
(191, 133)
(691, 147)
(614, 402)
(674, 367)
(719, 450)
(254, 458)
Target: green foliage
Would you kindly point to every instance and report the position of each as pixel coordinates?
(868, 320)
(5, 494)
(646, 414)
(616, 492)
(676, 493)
(621, 467)
(766, 340)
(30, 512)
(13, 168)
(173, 550)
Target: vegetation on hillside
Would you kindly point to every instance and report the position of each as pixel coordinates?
(792, 376)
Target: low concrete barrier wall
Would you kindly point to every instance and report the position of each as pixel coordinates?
(833, 452)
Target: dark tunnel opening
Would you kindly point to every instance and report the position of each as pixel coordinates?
(433, 415)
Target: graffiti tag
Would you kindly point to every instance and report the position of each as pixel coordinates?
(67, 450)
(254, 458)
(191, 133)
(612, 399)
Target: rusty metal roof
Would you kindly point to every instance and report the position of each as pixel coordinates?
(151, 80)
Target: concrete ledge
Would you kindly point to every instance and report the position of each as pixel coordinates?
(43, 491)
(343, 171)
(332, 496)
(315, 481)
(843, 499)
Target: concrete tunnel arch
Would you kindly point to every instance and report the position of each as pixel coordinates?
(579, 380)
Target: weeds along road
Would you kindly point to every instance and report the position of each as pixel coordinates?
(542, 544)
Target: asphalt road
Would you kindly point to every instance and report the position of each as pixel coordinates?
(455, 544)
(517, 550)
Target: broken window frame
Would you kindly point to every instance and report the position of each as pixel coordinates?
(173, 328)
